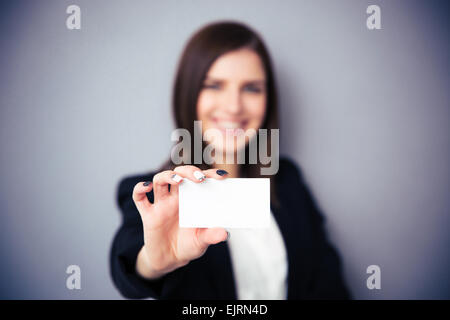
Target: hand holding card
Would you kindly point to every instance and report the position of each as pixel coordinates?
(166, 245)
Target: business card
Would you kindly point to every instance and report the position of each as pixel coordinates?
(228, 203)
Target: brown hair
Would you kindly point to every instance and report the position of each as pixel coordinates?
(204, 47)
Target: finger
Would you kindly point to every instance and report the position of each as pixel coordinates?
(140, 199)
(161, 182)
(190, 172)
(216, 174)
(174, 189)
(208, 236)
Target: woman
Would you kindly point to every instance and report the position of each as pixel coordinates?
(225, 80)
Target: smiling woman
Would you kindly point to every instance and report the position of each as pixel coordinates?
(225, 82)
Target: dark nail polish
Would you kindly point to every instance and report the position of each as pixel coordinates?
(221, 172)
(228, 236)
(147, 183)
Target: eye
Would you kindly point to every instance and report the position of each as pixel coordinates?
(214, 86)
(253, 89)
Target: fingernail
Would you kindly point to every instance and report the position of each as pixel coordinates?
(228, 236)
(176, 178)
(147, 183)
(199, 175)
(221, 172)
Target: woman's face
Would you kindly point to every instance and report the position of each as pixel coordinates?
(233, 97)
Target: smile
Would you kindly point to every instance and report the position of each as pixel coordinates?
(230, 125)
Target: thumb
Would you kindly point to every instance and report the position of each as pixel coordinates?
(208, 236)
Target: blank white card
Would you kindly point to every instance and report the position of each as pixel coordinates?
(229, 203)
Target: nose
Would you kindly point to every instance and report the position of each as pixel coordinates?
(233, 103)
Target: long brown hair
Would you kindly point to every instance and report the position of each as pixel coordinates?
(204, 47)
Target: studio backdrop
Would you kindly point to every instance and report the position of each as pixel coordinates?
(364, 107)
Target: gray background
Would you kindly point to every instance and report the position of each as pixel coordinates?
(364, 113)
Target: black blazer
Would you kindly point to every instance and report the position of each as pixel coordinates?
(314, 269)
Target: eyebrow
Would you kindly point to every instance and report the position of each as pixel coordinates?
(255, 81)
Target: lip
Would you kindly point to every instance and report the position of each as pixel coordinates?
(241, 124)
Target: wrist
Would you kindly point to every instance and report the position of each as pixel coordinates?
(145, 269)
(151, 271)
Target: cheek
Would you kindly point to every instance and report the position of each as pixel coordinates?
(255, 108)
(205, 103)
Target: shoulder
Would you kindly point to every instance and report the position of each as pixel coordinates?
(289, 172)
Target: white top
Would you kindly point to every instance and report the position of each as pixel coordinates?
(259, 262)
